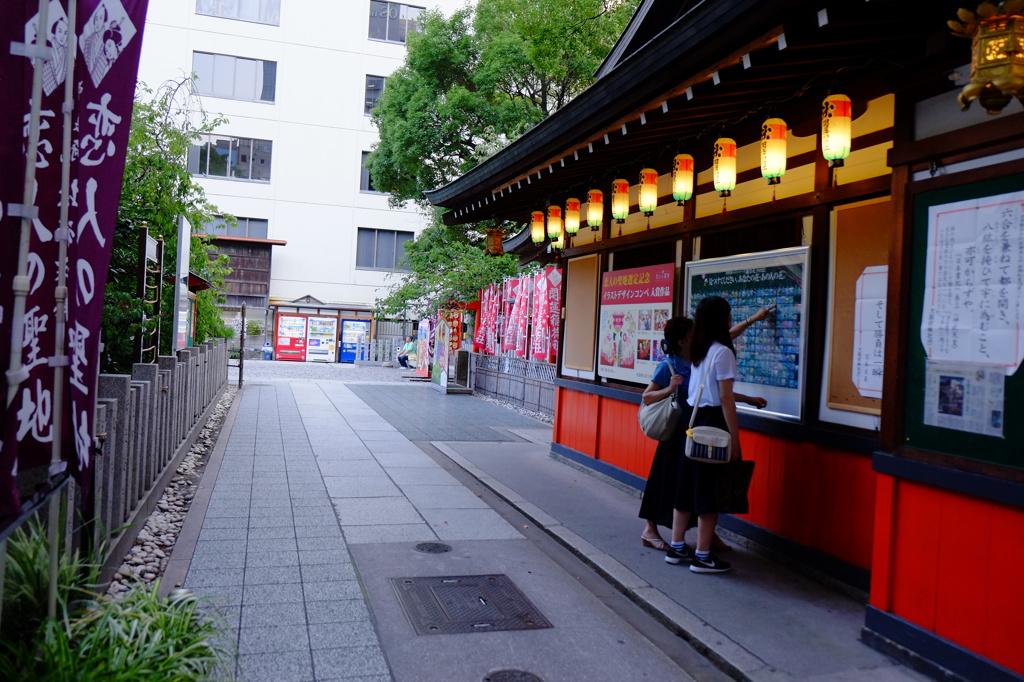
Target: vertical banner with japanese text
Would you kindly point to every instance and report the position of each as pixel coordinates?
(635, 306)
(109, 36)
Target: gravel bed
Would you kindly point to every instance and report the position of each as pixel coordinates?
(147, 559)
(539, 416)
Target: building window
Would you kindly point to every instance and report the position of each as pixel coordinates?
(365, 181)
(237, 158)
(252, 228)
(259, 11)
(218, 75)
(392, 21)
(381, 249)
(374, 88)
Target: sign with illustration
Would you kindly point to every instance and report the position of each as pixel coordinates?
(635, 305)
(769, 354)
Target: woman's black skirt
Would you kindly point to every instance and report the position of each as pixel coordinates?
(698, 481)
(660, 491)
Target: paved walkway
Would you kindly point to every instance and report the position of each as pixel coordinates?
(318, 491)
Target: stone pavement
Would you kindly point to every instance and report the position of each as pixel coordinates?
(313, 500)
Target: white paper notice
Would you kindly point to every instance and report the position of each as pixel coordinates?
(869, 331)
(973, 305)
(965, 397)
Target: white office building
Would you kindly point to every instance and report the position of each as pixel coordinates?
(296, 80)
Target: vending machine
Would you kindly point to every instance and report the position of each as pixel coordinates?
(291, 338)
(322, 339)
(352, 333)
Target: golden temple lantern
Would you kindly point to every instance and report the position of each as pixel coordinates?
(836, 128)
(773, 150)
(537, 227)
(648, 191)
(682, 178)
(554, 223)
(724, 166)
(572, 215)
(996, 31)
(595, 209)
(620, 200)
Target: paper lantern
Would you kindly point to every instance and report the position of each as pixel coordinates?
(648, 191)
(620, 200)
(595, 209)
(554, 222)
(558, 244)
(836, 128)
(572, 215)
(537, 227)
(682, 178)
(773, 150)
(724, 166)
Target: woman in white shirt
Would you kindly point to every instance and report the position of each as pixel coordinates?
(713, 362)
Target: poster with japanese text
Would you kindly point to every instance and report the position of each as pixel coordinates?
(547, 308)
(869, 331)
(99, 101)
(770, 353)
(635, 305)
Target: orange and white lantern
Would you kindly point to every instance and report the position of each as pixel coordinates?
(554, 223)
(595, 209)
(724, 166)
(773, 150)
(537, 227)
(836, 128)
(648, 191)
(620, 200)
(572, 215)
(682, 178)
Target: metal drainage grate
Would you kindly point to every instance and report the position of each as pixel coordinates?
(433, 547)
(449, 605)
(511, 676)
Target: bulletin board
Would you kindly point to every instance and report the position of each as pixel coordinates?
(580, 313)
(1008, 447)
(860, 240)
(770, 354)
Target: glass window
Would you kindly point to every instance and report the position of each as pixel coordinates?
(374, 88)
(258, 229)
(219, 75)
(381, 249)
(259, 11)
(252, 228)
(231, 157)
(365, 181)
(392, 21)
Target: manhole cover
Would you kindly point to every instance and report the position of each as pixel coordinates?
(433, 547)
(511, 676)
(449, 605)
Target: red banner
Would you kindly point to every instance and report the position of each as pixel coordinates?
(109, 37)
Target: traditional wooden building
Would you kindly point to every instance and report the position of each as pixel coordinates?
(889, 456)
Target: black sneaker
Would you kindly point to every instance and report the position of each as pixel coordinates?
(710, 565)
(684, 555)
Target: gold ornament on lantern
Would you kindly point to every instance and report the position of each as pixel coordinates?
(996, 31)
(682, 178)
(595, 209)
(537, 227)
(836, 128)
(648, 191)
(773, 150)
(724, 166)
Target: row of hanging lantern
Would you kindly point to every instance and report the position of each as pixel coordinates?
(836, 132)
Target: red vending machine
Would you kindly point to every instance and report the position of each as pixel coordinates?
(291, 338)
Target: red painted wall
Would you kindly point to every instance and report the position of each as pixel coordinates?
(818, 496)
(951, 564)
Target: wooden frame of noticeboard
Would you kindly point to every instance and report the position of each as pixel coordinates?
(771, 354)
(860, 235)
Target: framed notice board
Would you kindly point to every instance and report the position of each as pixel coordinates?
(966, 324)
(770, 354)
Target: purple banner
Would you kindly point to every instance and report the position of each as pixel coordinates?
(109, 40)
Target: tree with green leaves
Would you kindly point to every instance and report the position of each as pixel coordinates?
(476, 80)
(158, 189)
(445, 264)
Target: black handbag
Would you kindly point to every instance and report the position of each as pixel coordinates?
(733, 486)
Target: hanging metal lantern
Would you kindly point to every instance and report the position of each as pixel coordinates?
(836, 128)
(648, 191)
(554, 223)
(620, 200)
(724, 166)
(773, 150)
(595, 209)
(537, 227)
(682, 178)
(493, 242)
(997, 53)
(572, 215)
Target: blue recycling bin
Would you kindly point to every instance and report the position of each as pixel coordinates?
(268, 351)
